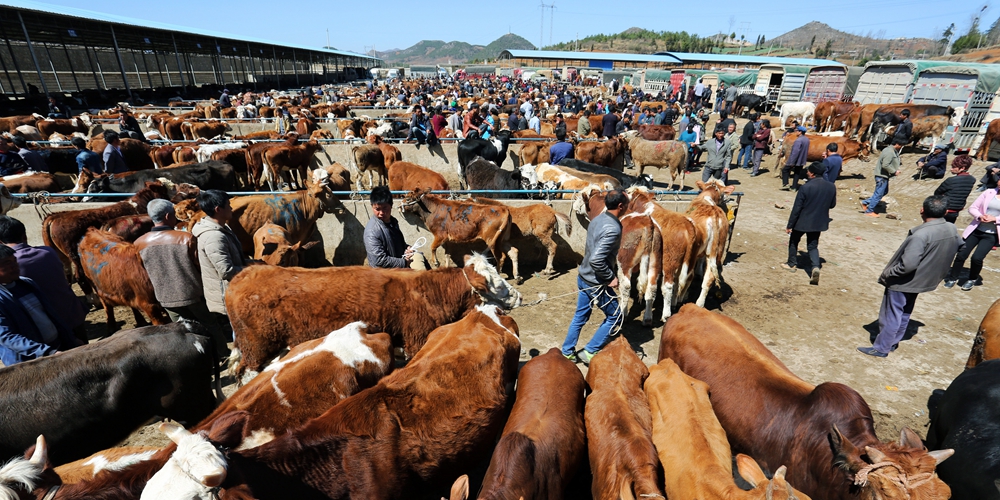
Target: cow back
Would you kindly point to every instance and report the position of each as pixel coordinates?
(986, 345)
(406, 176)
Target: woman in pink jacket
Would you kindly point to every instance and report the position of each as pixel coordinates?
(980, 237)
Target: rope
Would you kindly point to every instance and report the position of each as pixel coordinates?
(40, 200)
(901, 480)
(547, 298)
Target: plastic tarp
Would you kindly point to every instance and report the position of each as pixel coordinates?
(917, 67)
(730, 78)
(988, 74)
(853, 77)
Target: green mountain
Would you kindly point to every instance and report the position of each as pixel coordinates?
(441, 52)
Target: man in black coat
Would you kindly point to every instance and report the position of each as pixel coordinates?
(810, 216)
(905, 128)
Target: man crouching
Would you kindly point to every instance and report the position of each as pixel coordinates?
(384, 241)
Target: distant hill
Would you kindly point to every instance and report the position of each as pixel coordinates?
(441, 52)
(640, 41)
(813, 38)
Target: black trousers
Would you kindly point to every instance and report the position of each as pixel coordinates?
(978, 244)
(812, 245)
(951, 216)
(795, 170)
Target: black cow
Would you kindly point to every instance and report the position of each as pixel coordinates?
(87, 399)
(481, 173)
(469, 149)
(60, 160)
(885, 117)
(626, 180)
(966, 418)
(750, 102)
(208, 175)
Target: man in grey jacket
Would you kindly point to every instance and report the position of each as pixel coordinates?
(919, 264)
(720, 152)
(219, 251)
(597, 280)
(384, 242)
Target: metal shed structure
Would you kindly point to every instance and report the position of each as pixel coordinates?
(781, 83)
(825, 83)
(62, 49)
(890, 82)
(602, 60)
(970, 86)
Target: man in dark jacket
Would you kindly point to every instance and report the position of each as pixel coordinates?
(933, 165)
(832, 162)
(598, 279)
(384, 242)
(10, 162)
(796, 160)
(87, 159)
(904, 130)
(746, 142)
(810, 216)
(919, 264)
(114, 162)
(957, 188)
(610, 122)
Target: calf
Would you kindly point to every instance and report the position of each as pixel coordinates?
(334, 176)
(204, 130)
(114, 267)
(670, 154)
(602, 153)
(296, 212)
(310, 379)
(65, 126)
(96, 395)
(992, 135)
(368, 158)
(539, 221)
(619, 426)
(624, 179)
(381, 446)
(747, 103)
(206, 151)
(10, 123)
(986, 345)
(965, 418)
(270, 245)
(929, 126)
(803, 111)
(293, 305)
(483, 174)
(31, 183)
(282, 160)
(461, 222)
(534, 153)
(390, 153)
(566, 178)
(405, 176)
(255, 158)
(820, 432)
(111, 460)
(693, 447)
(64, 230)
(542, 445)
(494, 150)
(208, 175)
(711, 222)
(639, 258)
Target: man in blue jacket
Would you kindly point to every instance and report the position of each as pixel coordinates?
(29, 324)
(796, 160)
(810, 216)
(832, 162)
(934, 165)
(598, 279)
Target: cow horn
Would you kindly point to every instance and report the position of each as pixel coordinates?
(174, 431)
(941, 455)
(41, 453)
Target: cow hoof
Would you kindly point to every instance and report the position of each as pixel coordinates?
(647, 322)
(519, 280)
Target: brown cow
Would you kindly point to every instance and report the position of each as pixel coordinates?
(282, 160)
(335, 176)
(619, 426)
(163, 156)
(310, 379)
(31, 183)
(65, 126)
(237, 158)
(927, 126)
(406, 176)
(64, 230)
(255, 158)
(693, 447)
(986, 345)
(368, 158)
(462, 222)
(846, 148)
(296, 212)
(534, 153)
(386, 442)
(539, 221)
(657, 132)
(305, 126)
(270, 245)
(670, 154)
(711, 222)
(261, 135)
(114, 267)
(992, 135)
(112, 459)
(10, 123)
(390, 153)
(823, 434)
(542, 444)
(831, 116)
(410, 304)
(129, 227)
(205, 130)
(601, 153)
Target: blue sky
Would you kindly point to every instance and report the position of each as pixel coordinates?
(357, 26)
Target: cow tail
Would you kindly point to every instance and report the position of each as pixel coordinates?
(563, 225)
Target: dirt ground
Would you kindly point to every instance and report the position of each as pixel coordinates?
(812, 329)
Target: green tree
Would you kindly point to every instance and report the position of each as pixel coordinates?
(812, 42)
(732, 36)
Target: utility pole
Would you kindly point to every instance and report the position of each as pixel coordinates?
(552, 16)
(328, 38)
(745, 29)
(977, 26)
(541, 27)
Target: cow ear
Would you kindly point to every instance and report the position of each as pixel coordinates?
(227, 430)
(701, 185)
(729, 189)
(910, 439)
(845, 454)
(269, 248)
(749, 470)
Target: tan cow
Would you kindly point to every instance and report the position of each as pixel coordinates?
(539, 221)
(670, 154)
(271, 245)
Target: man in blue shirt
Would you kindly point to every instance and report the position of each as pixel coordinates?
(832, 162)
(87, 159)
(561, 149)
(30, 326)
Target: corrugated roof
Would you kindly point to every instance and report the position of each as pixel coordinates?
(733, 58)
(598, 56)
(59, 10)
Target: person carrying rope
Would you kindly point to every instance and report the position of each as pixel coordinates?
(597, 280)
(384, 242)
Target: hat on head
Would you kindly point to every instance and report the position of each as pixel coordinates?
(159, 209)
(941, 146)
(800, 128)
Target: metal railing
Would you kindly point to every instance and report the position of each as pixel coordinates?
(542, 192)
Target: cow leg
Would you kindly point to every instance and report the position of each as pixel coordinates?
(513, 263)
(156, 314)
(434, 246)
(109, 311)
(624, 288)
(550, 247)
(708, 279)
(139, 319)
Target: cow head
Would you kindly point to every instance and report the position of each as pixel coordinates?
(284, 255)
(20, 476)
(413, 202)
(892, 471)
(776, 488)
(529, 178)
(328, 201)
(195, 470)
(487, 283)
(956, 116)
(864, 153)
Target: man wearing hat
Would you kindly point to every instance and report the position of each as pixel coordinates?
(224, 100)
(934, 165)
(905, 129)
(886, 166)
(810, 216)
(171, 260)
(796, 160)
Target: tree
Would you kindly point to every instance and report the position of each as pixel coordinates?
(993, 35)
(762, 40)
(732, 36)
(946, 37)
(812, 42)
